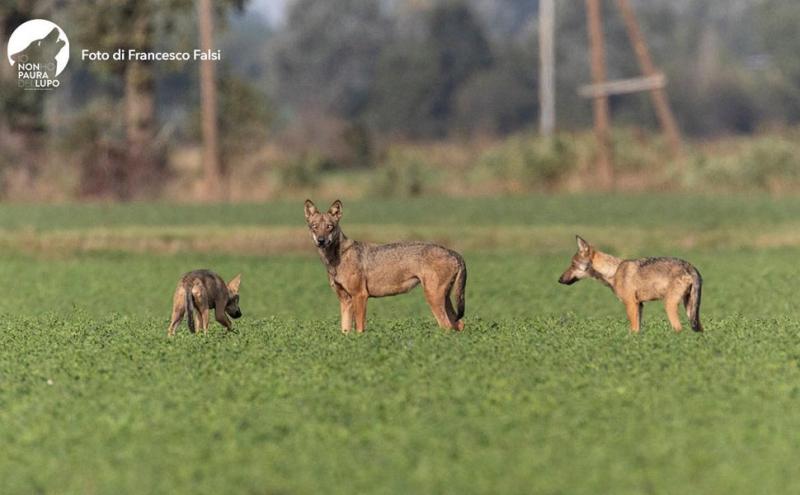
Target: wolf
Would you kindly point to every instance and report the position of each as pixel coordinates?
(201, 290)
(636, 281)
(360, 270)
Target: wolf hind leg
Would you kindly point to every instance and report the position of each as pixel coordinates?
(437, 298)
(671, 303)
(178, 310)
(455, 323)
(177, 317)
(204, 320)
(200, 298)
(685, 300)
(691, 300)
(455, 289)
(641, 313)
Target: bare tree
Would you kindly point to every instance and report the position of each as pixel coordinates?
(208, 102)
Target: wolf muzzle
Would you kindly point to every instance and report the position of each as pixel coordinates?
(567, 281)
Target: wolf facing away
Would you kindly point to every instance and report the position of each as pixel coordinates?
(360, 270)
(201, 290)
(636, 281)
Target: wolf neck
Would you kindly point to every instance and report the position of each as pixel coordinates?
(332, 254)
(604, 267)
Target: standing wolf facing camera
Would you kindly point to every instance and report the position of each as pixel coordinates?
(201, 290)
(360, 270)
(637, 281)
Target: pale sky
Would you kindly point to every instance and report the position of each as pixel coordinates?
(274, 10)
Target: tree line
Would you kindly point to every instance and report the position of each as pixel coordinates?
(395, 69)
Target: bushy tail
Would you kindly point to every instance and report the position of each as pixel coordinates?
(190, 309)
(460, 284)
(693, 305)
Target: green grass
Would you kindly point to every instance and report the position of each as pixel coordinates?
(650, 210)
(545, 391)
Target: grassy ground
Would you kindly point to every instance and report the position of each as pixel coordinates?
(545, 392)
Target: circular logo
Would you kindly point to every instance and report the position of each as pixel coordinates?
(39, 45)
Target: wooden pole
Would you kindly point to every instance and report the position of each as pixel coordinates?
(208, 103)
(605, 166)
(547, 85)
(658, 95)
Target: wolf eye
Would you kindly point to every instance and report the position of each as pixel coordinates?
(314, 225)
(330, 227)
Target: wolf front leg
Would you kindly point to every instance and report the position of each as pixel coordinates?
(632, 308)
(360, 310)
(346, 310)
(345, 307)
(222, 318)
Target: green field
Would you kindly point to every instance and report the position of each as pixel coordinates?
(545, 391)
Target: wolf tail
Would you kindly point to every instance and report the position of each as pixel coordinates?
(693, 304)
(190, 309)
(460, 284)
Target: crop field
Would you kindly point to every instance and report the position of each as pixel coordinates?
(544, 392)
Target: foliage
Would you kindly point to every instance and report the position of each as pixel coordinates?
(538, 163)
(403, 173)
(245, 117)
(500, 99)
(767, 163)
(303, 171)
(325, 58)
(432, 68)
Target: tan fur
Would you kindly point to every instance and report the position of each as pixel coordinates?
(359, 270)
(207, 291)
(637, 281)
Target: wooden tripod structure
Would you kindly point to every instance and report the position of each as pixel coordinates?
(652, 80)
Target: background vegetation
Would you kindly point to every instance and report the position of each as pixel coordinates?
(397, 97)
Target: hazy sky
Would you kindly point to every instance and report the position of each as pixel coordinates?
(273, 9)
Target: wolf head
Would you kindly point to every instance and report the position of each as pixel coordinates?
(42, 51)
(52, 44)
(580, 265)
(232, 307)
(324, 227)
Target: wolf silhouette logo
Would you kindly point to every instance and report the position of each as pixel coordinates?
(42, 52)
(39, 51)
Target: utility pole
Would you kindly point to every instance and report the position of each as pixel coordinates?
(601, 111)
(658, 95)
(547, 85)
(208, 102)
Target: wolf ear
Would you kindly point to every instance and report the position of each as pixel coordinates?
(583, 246)
(233, 285)
(310, 208)
(336, 210)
